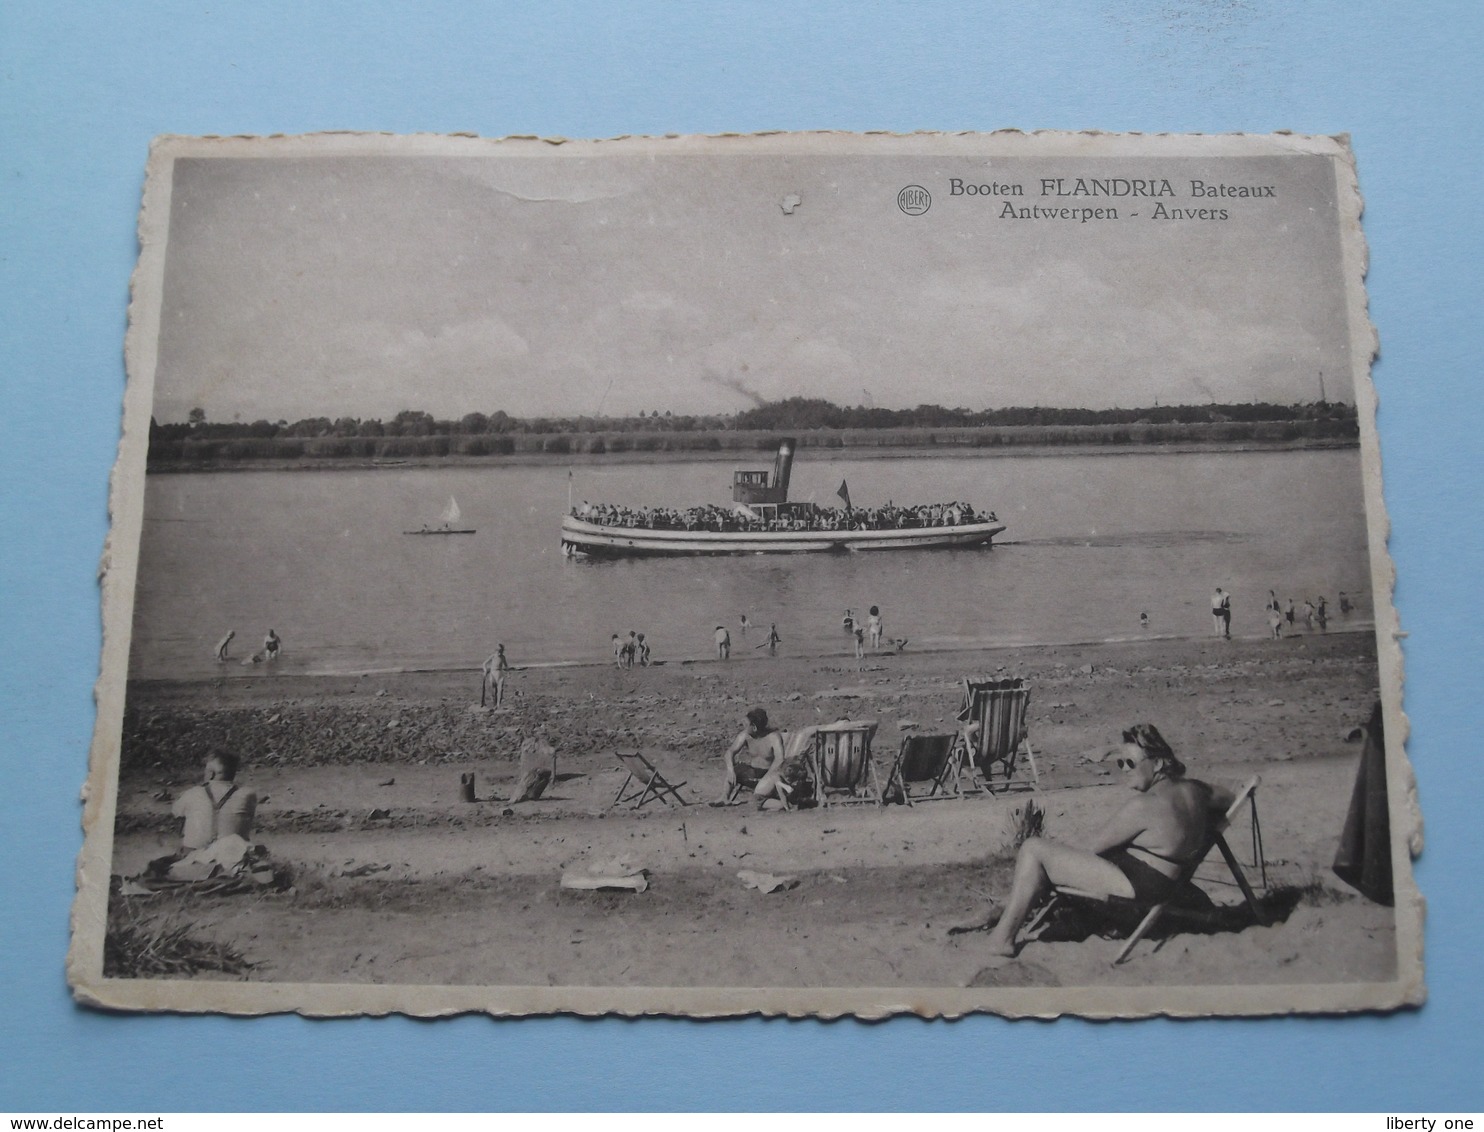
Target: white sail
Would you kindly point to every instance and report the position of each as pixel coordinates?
(451, 513)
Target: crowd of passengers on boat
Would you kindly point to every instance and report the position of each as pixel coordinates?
(710, 517)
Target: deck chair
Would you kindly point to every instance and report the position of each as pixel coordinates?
(1215, 838)
(924, 759)
(996, 730)
(840, 761)
(649, 783)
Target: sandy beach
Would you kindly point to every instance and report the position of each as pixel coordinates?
(398, 880)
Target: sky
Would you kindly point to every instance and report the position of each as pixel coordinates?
(300, 286)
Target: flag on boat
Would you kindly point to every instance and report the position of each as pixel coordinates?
(844, 493)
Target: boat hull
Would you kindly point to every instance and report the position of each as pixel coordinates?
(581, 537)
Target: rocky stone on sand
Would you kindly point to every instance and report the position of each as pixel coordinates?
(766, 882)
(584, 881)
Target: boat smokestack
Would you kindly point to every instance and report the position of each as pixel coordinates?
(752, 488)
(783, 466)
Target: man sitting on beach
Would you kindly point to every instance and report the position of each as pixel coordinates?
(216, 808)
(494, 672)
(755, 759)
(1136, 855)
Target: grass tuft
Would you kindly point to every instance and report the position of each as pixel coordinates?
(138, 945)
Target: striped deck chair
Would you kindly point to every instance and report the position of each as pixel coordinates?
(840, 760)
(996, 730)
(923, 759)
(1153, 913)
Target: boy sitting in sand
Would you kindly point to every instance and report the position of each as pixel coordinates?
(218, 807)
(1136, 855)
(755, 759)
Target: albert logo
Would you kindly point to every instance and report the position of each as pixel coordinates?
(914, 200)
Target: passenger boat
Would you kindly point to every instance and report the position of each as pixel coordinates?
(763, 521)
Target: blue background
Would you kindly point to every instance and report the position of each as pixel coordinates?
(83, 88)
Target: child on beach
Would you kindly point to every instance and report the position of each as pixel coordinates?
(494, 669)
(217, 807)
(1221, 613)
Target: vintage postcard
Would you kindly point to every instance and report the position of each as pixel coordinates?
(810, 574)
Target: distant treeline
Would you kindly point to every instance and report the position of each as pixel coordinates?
(816, 424)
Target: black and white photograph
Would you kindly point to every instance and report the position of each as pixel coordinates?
(811, 574)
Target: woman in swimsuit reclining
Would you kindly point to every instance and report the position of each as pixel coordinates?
(1136, 855)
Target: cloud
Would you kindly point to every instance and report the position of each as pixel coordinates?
(543, 182)
(461, 346)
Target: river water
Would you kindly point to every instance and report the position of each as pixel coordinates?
(1092, 541)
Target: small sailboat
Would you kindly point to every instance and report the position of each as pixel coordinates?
(448, 522)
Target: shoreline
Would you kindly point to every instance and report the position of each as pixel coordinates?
(264, 672)
(1081, 697)
(733, 455)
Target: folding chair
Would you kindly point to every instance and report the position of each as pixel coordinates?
(650, 783)
(1215, 838)
(996, 730)
(924, 758)
(840, 760)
